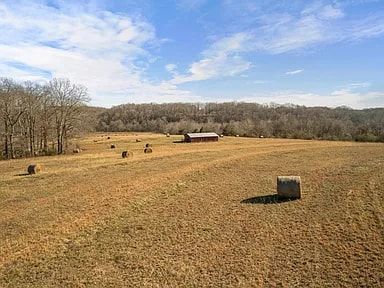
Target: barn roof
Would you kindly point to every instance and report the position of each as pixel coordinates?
(200, 135)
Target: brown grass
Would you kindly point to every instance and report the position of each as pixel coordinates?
(207, 216)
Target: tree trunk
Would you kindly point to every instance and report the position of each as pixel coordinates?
(6, 148)
(11, 148)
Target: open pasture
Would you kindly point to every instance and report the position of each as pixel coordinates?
(194, 215)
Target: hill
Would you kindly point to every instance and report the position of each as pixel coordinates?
(248, 119)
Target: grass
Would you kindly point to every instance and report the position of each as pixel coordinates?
(194, 215)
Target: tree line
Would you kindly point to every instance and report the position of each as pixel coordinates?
(38, 119)
(248, 119)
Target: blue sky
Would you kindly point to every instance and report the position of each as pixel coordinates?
(313, 53)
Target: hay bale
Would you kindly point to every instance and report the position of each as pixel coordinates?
(147, 150)
(148, 145)
(76, 151)
(168, 135)
(221, 136)
(138, 140)
(126, 154)
(261, 136)
(113, 146)
(289, 187)
(34, 169)
(237, 135)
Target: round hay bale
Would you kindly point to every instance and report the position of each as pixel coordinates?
(221, 136)
(113, 146)
(289, 187)
(148, 150)
(76, 151)
(34, 169)
(126, 154)
(168, 135)
(261, 136)
(148, 145)
(237, 135)
(138, 140)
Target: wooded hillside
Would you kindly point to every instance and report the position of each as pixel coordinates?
(248, 119)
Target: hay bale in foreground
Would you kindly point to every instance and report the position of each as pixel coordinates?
(126, 154)
(148, 145)
(147, 150)
(168, 135)
(34, 169)
(113, 146)
(138, 140)
(289, 186)
(76, 151)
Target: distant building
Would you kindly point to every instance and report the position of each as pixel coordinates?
(201, 137)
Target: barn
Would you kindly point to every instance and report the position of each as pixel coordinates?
(201, 137)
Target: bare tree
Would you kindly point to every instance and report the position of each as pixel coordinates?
(33, 119)
(67, 99)
(34, 116)
(12, 108)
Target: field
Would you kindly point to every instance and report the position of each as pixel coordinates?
(194, 215)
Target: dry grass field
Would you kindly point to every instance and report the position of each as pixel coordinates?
(194, 215)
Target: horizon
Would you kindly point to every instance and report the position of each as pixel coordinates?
(307, 53)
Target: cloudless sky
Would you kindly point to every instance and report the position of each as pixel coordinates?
(313, 53)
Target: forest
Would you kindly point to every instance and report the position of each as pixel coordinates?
(249, 120)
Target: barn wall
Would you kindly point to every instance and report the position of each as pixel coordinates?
(202, 139)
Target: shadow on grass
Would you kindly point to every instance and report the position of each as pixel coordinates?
(267, 199)
(179, 141)
(22, 174)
